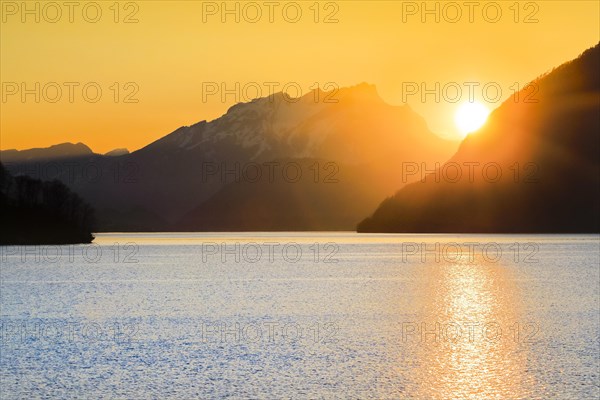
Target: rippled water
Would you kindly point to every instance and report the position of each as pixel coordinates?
(310, 315)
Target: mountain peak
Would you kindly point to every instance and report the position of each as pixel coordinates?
(363, 91)
(333, 94)
(364, 87)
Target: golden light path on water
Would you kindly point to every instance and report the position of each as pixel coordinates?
(473, 352)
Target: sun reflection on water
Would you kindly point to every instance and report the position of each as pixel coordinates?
(470, 348)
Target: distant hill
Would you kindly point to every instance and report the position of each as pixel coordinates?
(546, 151)
(177, 183)
(59, 151)
(36, 212)
(116, 152)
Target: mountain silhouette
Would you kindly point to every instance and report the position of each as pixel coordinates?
(546, 148)
(55, 152)
(351, 134)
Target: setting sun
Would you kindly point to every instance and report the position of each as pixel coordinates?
(470, 116)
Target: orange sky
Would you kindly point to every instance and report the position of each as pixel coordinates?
(174, 48)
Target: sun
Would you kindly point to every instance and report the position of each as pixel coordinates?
(470, 116)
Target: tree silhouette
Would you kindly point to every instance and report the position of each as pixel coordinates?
(37, 212)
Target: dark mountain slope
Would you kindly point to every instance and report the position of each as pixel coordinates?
(547, 152)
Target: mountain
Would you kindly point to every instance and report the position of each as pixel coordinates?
(337, 147)
(185, 179)
(546, 151)
(58, 151)
(36, 212)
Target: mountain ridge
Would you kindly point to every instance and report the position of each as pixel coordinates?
(56, 151)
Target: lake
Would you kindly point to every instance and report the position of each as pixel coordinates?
(302, 315)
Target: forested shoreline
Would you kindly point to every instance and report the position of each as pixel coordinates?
(40, 212)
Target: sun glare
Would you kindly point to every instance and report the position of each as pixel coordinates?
(470, 116)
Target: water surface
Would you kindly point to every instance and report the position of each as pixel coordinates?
(303, 315)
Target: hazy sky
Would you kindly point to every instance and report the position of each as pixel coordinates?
(168, 54)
